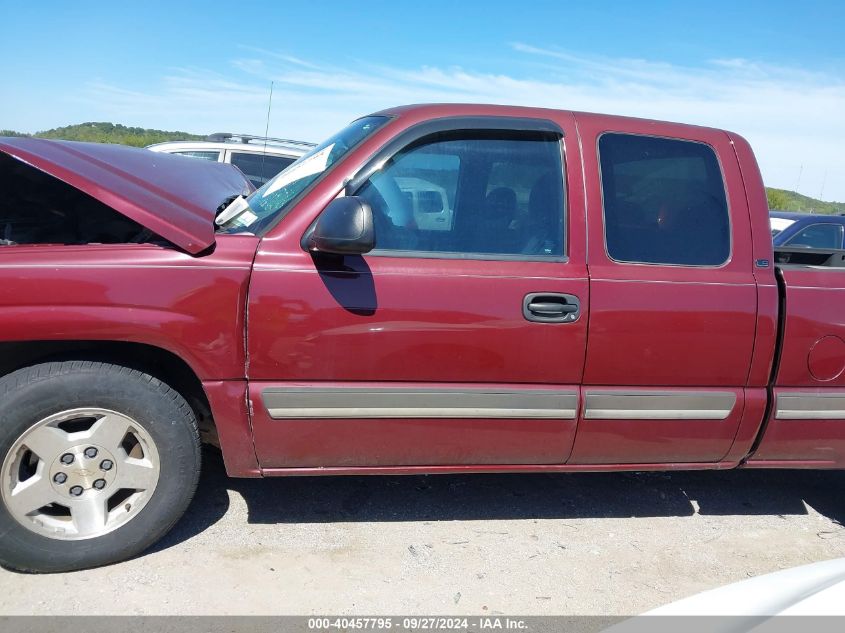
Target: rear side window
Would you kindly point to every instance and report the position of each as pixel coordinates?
(471, 194)
(259, 168)
(664, 201)
(213, 156)
(818, 236)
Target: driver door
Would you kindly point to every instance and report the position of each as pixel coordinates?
(460, 339)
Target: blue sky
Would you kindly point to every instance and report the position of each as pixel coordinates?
(772, 71)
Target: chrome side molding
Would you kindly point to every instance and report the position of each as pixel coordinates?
(658, 405)
(403, 402)
(810, 406)
(561, 404)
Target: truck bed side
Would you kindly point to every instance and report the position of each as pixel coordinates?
(806, 425)
(799, 348)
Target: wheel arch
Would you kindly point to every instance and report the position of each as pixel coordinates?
(150, 359)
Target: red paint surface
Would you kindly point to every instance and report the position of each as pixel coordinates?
(753, 415)
(392, 319)
(228, 400)
(763, 356)
(820, 441)
(814, 308)
(814, 311)
(406, 442)
(655, 441)
(826, 359)
(192, 307)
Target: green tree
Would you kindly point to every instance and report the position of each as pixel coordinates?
(777, 199)
(103, 132)
(784, 200)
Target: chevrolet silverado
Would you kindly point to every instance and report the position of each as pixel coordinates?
(434, 289)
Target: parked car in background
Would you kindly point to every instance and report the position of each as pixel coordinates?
(428, 202)
(806, 229)
(259, 157)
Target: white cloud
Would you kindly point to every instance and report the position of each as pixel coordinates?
(794, 118)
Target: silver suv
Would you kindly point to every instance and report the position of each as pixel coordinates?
(258, 157)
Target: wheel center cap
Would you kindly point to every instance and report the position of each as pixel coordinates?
(83, 469)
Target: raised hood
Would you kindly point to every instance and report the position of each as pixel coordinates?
(173, 196)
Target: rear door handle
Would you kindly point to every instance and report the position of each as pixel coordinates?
(551, 307)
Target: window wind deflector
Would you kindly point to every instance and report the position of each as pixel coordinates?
(494, 125)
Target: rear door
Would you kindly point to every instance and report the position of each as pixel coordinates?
(460, 340)
(672, 300)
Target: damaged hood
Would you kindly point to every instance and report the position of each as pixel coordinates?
(173, 196)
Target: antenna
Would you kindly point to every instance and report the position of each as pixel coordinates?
(266, 131)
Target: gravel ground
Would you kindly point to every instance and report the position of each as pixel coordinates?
(611, 544)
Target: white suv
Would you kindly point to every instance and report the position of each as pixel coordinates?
(259, 158)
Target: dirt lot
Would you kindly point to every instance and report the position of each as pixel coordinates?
(479, 544)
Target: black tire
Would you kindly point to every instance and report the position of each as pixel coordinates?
(37, 392)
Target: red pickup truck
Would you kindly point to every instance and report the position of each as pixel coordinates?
(434, 289)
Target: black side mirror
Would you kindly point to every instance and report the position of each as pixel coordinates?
(345, 227)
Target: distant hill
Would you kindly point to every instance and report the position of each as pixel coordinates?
(110, 133)
(784, 200)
